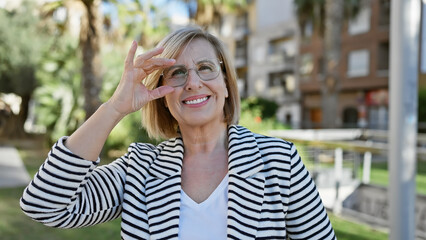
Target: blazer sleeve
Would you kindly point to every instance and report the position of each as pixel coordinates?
(70, 192)
(306, 217)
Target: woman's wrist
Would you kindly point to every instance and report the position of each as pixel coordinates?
(112, 111)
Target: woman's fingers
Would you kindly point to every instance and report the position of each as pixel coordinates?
(148, 55)
(153, 64)
(128, 63)
(160, 92)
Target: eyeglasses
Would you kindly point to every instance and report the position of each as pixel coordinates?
(177, 75)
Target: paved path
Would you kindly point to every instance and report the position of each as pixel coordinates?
(12, 169)
(328, 196)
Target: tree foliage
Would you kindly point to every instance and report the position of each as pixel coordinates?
(22, 40)
(59, 97)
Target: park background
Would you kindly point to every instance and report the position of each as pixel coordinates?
(59, 60)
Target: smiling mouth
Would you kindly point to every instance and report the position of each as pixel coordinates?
(196, 101)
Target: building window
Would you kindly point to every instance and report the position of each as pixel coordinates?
(241, 22)
(315, 117)
(321, 70)
(383, 59)
(384, 13)
(242, 82)
(281, 49)
(240, 53)
(307, 33)
(281, 83)
(358, 63)
(350, 117)
(306, 65)
(361, 23)
(276, 79)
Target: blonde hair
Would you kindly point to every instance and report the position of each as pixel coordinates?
(156, 118)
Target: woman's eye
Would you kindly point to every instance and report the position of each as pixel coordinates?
(206, 67)
(178, 72)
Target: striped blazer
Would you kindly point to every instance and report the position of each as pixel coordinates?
(270, 193)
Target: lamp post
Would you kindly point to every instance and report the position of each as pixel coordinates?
(404, 48)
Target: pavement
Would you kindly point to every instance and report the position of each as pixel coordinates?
(328, 196)
(14, 174)
(12, 169)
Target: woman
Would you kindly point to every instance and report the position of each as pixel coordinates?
(212, 179)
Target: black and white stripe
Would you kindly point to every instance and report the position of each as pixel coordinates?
(270, 193)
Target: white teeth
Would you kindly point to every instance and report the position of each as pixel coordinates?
(196, 101)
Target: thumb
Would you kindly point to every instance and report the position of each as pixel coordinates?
(160, 92)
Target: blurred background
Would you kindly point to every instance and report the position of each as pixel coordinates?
(314, 72)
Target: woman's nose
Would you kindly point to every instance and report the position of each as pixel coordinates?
(193, 81)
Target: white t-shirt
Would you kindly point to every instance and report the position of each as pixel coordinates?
(206, 220)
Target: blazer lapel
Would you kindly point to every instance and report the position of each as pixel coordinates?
(245, 189)
(246, 184)
(163, 190)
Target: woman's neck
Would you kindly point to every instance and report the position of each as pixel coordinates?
(205, 140)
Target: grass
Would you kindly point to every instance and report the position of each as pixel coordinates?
(14, 225)
(348, 230)
(379, 175)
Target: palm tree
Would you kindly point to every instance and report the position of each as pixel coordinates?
(89, 43)
(208, 13)
(328, 17)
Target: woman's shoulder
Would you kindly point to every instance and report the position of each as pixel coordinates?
(170, 145)
(262, 139)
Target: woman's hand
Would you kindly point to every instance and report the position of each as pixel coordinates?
(131, 95)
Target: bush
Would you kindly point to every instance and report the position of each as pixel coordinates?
(263, 107)
(127, 131)
(258, 115)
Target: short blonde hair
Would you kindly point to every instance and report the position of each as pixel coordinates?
(156, 117)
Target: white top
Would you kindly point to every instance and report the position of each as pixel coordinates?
(206, 220)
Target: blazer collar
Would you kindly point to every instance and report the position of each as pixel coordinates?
(244, 158)
(245, 186)
(169, 159)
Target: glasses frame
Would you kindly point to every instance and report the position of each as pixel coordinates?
(219, 68)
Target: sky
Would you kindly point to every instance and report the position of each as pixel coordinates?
(175, 9)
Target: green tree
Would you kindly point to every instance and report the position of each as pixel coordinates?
(89, 44)
(328, 17)
(59, 100)
(136, 20)
(208, 13)
(142, 21)
(22, 40)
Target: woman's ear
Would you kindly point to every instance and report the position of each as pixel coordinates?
(165, 102)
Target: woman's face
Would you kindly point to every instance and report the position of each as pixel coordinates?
(196, 102)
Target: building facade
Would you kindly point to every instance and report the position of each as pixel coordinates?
(264, 41)
(363, 70)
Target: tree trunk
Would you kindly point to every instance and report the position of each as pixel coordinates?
(90, 39)
(332, 47)
(12, 126)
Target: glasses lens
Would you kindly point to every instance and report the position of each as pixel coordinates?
(206, 69)
(175, 76)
